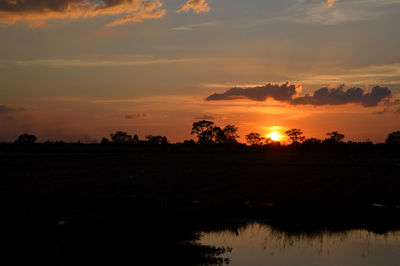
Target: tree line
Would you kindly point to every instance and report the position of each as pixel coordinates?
(207, 133)
(295, 135)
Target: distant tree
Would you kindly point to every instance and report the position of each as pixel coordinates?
(393, 138)
(157, 140)
(230, 132)
(334, 137)
(135, 139)
(218, 135)
(227, 135)
(189, 142)
(121, 137)
(204, 131)
(295, 135)
(255, 139)
(104, 141)
(26, 139)
(312, 141)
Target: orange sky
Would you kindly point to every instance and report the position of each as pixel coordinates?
(81, 71)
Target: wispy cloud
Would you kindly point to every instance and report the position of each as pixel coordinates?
(37, 12)
(195, 26)
(385, 74)
(59, 63)
(332, 12)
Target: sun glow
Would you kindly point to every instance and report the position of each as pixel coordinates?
(274, 136)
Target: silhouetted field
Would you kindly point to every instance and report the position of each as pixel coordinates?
(108, 204)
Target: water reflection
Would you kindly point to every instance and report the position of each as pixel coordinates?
(258, 244)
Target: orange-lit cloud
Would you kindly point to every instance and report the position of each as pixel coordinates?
(324, 96)
(148, 10)
(198, 6)
(330, 3)
(37, 12)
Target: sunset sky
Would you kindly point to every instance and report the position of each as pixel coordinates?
(79, 70)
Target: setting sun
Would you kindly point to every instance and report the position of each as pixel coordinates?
(274, 136)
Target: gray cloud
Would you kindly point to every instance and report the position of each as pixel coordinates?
(137, 115)
(277, 92)
(323, 96)
(5, 109)
(339, 96)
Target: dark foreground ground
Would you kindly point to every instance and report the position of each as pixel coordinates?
(110, 205)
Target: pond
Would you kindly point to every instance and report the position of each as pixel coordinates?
(258, 244)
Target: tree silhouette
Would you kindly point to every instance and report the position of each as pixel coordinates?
(121, 137)
(104, 141)
(227, 135)
(157, 140)
(255, 139)
(204, 131)
(334, 137)
(135, 139)
(26, 139)
(312, 141)
(393, 138)
(295, 135)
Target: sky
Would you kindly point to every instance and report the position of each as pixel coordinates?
(79, 70)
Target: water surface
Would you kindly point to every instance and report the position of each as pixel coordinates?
(258, 244)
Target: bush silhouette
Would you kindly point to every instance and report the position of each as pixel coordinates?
(26, 139)
(393, 138)
(121, 137)
(157, 140)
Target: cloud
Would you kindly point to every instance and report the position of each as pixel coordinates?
(313, 12)
(386, 74)
(324, 96)
(37, 12)
(137, 115)
(339, 96)
(277, 92)
(147, 11)
(329, 3)
(5, 109)
(198, 6)
(392, 106)
(59, 62)
(195, 26)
